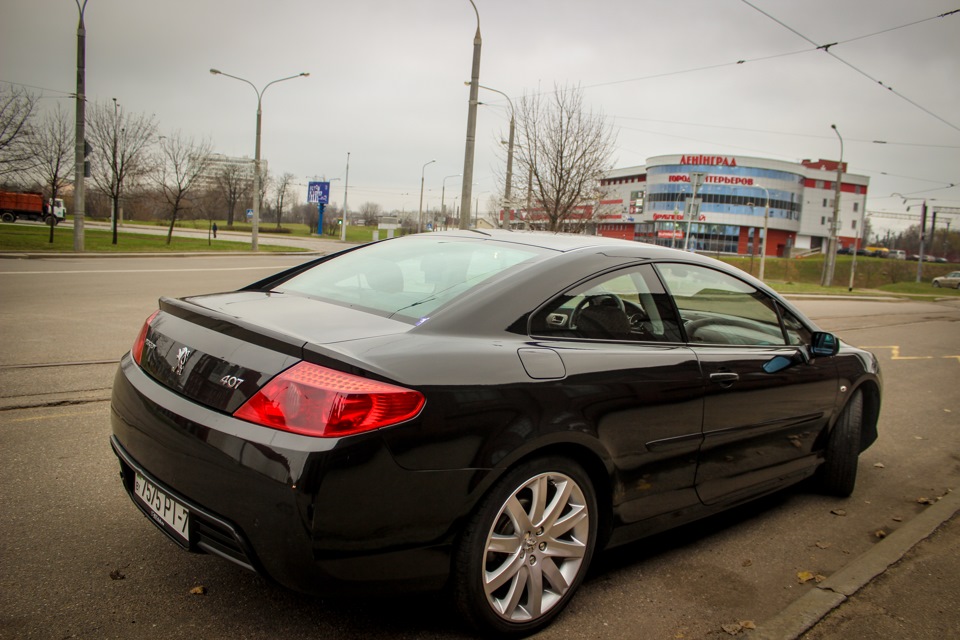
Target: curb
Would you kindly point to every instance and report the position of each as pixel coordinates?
(803, 614)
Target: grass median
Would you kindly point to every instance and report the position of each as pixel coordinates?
(32, 238)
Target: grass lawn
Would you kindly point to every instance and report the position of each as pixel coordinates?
(32, 238)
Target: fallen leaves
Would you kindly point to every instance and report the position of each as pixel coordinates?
(116, 574)
(838, 512)
(735, 628)
(803, 577)
(199, 590)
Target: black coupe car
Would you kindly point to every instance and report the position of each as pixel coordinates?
(479, 412)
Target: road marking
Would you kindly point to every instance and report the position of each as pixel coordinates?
(895, 354)
(47, 416)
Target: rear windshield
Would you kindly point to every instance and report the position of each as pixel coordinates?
(409, 278)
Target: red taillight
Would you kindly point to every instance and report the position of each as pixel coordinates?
(316, 401)
(137, 349)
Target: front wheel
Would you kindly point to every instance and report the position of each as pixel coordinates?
(6, 216)
(838, 474)
(527, 547)
(936, 284)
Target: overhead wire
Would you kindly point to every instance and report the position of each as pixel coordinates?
(826, 49)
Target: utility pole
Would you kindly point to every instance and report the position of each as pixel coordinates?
(80, 144)
(831, 262)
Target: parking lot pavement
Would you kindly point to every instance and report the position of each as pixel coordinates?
(907, 586)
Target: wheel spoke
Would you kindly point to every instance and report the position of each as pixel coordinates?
(507, 571)
(569, 522)
(503, 544)
(554, 576)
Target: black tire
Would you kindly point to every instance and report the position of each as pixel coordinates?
(51, 221)
(520, 558)
(837, 476)
(936, 284)
(8, 217)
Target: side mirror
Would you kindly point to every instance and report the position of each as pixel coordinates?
(823, 345)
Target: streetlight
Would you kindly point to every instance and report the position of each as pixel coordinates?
(254, 233)
(443, 194)
(507, 189)
(831, 261)
(856, 248)
(766, 219)
(346, 186)
(468, 152)
(80, 143)
(420, 212)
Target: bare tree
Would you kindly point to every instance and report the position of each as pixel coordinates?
(52, 146)
(181, 162)
(17, 107)
(234, 186)
(280, 187)
(370, 211)
(120, 144)
(564, 150)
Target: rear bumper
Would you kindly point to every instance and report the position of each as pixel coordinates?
(315, 515)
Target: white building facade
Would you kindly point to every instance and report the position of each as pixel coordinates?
(737, 198)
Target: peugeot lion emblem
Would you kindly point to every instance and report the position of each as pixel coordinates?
(182, 356)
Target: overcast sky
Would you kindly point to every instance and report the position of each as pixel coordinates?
(386, 81)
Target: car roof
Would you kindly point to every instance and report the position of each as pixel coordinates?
(564, 242)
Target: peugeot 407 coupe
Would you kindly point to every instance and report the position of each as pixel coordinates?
(478, 412)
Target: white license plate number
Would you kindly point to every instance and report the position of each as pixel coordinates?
(165, 511)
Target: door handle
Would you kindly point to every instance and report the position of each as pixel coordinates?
(724, 379)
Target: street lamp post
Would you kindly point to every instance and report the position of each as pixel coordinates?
(468, 153)
(346, 186)
(831, 261)
(763, 244)
(443, 195)
(254, 232)
(509, 185)
(80, 143)
(420, 212)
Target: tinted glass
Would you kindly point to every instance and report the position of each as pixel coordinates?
(629, 304)
(410, 278)
(717, 308)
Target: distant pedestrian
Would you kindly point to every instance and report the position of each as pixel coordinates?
(214, 229)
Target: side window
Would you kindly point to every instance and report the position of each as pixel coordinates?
(716, 308)
(797, 334)
(629, 304)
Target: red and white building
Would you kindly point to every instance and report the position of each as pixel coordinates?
(737, 197)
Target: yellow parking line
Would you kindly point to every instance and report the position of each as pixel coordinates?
(895, 354)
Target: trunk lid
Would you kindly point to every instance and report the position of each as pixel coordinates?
(219, 350)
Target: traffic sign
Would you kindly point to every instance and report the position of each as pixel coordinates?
(318, 192)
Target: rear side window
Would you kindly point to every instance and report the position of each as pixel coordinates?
(717, 308)
(408, 278)
(629, 304)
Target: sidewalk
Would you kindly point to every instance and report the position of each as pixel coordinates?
(907, 586)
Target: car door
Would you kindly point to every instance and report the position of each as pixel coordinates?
(765, 402)
(631, 379)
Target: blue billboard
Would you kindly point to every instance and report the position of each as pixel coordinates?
(318, 192)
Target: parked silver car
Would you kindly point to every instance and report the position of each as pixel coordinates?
(952, 279)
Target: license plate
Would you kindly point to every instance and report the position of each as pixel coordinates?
(165, 510)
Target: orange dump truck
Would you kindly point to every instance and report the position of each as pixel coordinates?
(29, 206)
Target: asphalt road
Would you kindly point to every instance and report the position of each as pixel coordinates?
(77, 559)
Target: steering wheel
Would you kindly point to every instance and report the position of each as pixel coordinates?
(595, 300)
